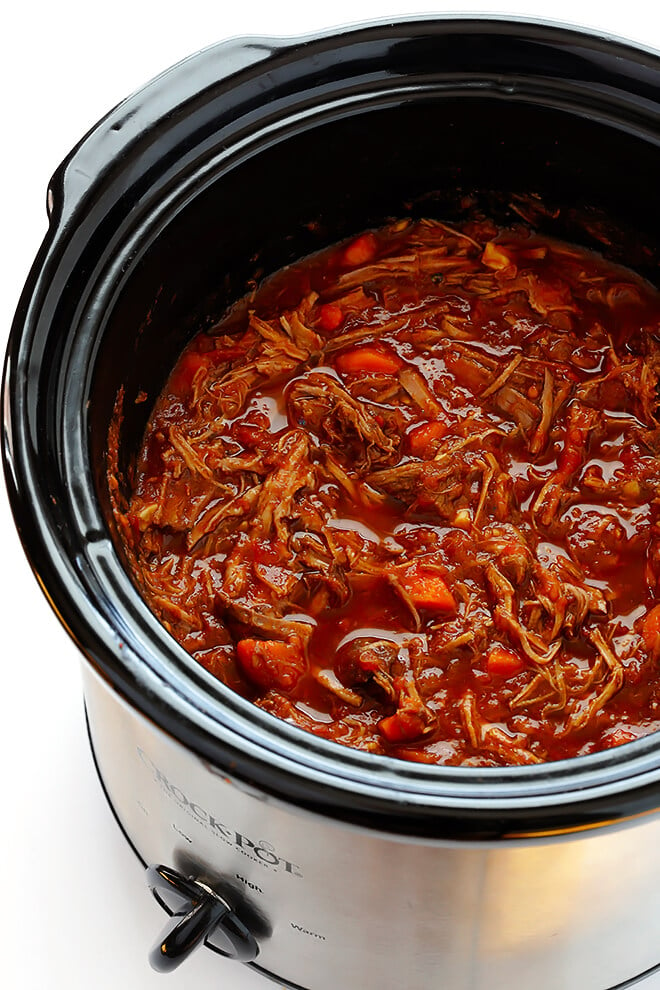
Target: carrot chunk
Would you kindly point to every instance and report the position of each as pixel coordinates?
(402, 727)
(186, 370)
(504, 663)
(271, 664)
(191, 362)
(330, 316)
(423, 439)
(651, 631)
(368, 361)
(361, 250)
(428, 590)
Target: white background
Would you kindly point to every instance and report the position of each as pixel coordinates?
(78, 913)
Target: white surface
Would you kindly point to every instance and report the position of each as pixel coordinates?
(73, 894)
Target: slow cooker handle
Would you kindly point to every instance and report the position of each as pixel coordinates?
(199, 915)
(193, 82)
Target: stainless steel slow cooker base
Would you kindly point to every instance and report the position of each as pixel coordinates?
(348, 869)
(273, 977)
(477, 916)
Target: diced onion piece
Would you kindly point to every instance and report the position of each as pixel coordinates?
(417, 388)
(495, 256)
(368, 361)
(269, 663)
(144, 516)
(462, 519)
(504, 663)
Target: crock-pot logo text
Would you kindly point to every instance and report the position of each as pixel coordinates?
(261, 851)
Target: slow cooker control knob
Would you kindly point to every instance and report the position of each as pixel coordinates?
(198, 915)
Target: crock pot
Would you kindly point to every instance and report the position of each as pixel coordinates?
(320, 865)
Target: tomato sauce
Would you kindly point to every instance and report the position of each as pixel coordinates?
(405, 497)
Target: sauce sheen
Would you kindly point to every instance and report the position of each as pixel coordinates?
(405, 497)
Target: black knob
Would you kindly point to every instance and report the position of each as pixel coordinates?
(199, 914)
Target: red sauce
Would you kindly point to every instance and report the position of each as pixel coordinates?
(406, 497)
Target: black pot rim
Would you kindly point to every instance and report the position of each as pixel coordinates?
(66, 538)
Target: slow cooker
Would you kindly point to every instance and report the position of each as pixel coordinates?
(318, 865)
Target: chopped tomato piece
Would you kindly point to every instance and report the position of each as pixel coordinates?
(423, 439)
(133, 525)
(252, 436)
(547, 295)
(619, 736)
(651, 631)
(504, 663)
(361, 250)
(330, 316)
(428, 590)
(271, 664)
(581, 424)
(402, 727)
(572, 455)
(368, 361)
(548, 583)
(224, 353)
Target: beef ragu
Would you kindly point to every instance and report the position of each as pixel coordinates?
(405, 496)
